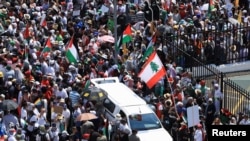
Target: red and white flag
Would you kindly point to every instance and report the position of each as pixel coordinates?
(153, 70)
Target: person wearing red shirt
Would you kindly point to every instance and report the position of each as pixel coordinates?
(182, 11)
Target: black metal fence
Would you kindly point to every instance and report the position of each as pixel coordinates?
(186, 54)
(236, 99)
(218, 44)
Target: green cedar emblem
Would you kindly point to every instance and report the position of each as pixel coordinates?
(154, 66)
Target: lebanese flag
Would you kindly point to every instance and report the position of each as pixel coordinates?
(127, 35)
(47, 48)
(43, 22)
(71, 52)
(153, 70)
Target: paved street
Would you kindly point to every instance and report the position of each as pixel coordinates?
(243, 81)
(238, 102)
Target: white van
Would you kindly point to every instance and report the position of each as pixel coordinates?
(121, 99)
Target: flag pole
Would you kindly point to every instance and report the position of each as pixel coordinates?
(171, 90)
(115, 30)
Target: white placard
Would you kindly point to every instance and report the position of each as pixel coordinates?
(104, 9)
(193, 116)
(76, 12)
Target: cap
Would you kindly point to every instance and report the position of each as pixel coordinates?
(210, 99)
(118, 116)
(53, 124)
(179, 103)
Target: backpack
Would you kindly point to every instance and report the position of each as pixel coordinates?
(43, 137)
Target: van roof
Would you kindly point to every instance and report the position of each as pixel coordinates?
(121, 94)
(145, 109)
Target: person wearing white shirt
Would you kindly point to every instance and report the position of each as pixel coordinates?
(245, 120)
(50, 71)
(64, 20)
(42, 117)
(44, 67)
(54, 133)
(121, 8)
(11, 136)
(66, 115)
(124, 129)
(61, 92)
(218, 96)
(24, 113)
(198, 133)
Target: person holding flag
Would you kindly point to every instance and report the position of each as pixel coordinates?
(71, 52)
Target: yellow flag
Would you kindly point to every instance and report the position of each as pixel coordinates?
(239, 16)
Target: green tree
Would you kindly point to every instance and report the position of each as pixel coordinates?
(154, 66)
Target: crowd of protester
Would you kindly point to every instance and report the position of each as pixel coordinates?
(37, 82)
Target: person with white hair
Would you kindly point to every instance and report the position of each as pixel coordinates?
(233, 121)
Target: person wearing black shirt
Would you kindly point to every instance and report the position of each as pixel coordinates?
(93, 134)
(75, 136)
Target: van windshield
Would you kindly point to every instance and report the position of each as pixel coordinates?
(144, 122)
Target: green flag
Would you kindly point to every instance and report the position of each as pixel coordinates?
(110, 25)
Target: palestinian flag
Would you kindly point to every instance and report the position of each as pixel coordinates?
(118, 45)
(127, 35)
(71, 52)
(43, 22)
(210, 8)
(150, 49)
(47, 48)
(153, 70)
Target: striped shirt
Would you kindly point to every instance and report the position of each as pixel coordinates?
(74, 96)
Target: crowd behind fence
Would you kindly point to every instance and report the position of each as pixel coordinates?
(236, 99)
(221, 43)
